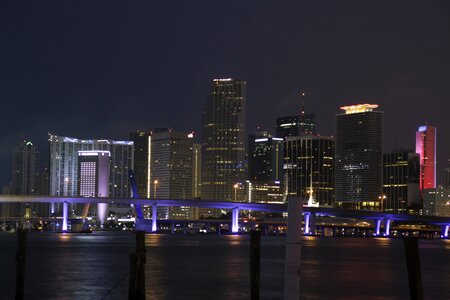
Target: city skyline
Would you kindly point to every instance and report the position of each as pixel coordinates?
(146, 71)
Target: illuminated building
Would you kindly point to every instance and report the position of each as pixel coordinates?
(223, 139)
(299, 125)
(141, 161)
(400, 181)
(25, 180)
(64, 164)
(264, 192)
(196, 170)
(436, 202)
(309, 169)
(93, 178)
(171, 170)
(358, 157)
(265, 161)
(426, 148)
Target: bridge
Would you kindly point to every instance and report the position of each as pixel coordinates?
(309, 212)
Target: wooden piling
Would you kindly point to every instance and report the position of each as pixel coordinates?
(20, 262)
(136, 288)
(413, 266)
(255, 260)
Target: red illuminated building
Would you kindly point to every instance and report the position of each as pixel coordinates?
(426, 148)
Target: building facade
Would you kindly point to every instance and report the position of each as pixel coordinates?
(359, 157)
(265, 159)
(426, 148)
(171, 168)
(303, 124)
(224, 139)
(309, 166)
(436, 202)
(401, 171)
(141, 165)
(64, 164)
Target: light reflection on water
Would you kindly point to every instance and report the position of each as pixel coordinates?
(73, 266)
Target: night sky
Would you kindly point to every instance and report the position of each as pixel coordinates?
(101, 69)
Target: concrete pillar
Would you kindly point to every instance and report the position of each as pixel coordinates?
(445, 231)
(219, 229)
(377, 227)
(102, 211)
(154, 216)
(172, 228)
(235, 220)
(387, 227)
(307, 218)
(65, 216)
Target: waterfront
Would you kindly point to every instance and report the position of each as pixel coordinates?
(77, 266)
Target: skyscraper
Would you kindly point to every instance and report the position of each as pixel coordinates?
(171, 170)
(93, 178)
(265, 160)
(298, 125)
(400, 181)
(25, 177)
(141, 162)
(426, 148)
(223, 139)
(358, 158)
(309, 169)
(64, 164)
(25, 180)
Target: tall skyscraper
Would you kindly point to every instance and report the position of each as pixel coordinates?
(25, 177)
(358, 158)
(93, 178)
(223, 139)
(64, 164)
(171, 170)
(298, 125)
(400, 181)
(25, 180)
(309, 169)
(141, 162)
(265, 159)
(196, 170)
(426, 148)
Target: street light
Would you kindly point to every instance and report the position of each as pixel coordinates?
(382, 198)
(235, 191)
(155, 182)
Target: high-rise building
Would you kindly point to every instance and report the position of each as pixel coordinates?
(223, 139)
(400, 181)
(25, 177)
(141, 162)
(64, 164)
(303, 124)
(171, 170)
(196, 170)
(93, 178)
(436, 202)
(25, 180)
(359, 157)
(265, 159)
(309, 169)
(426, 148)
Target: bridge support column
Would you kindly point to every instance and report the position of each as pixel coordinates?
(65, 216)
(387, 227)
(172, 228)
(445, 231)
(154, 216)
(307, 219)
(102, 211)
(235, 220)
(377, 227)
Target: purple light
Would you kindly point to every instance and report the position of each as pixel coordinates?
(446, 231)
(388, 227)
(307, 229)
(235, 220)
(377, 229)
(65, 215)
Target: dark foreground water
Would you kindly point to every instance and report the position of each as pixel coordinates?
(76, 266)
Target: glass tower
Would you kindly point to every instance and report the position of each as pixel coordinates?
(358, 157)
(223, 140)
(426, 148)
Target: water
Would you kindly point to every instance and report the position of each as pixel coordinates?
(76, 266)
